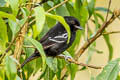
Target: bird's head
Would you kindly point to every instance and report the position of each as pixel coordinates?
(73, 23)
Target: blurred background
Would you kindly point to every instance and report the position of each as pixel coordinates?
(101, 59)
(97, 54)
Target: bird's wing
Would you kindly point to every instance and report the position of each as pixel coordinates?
(53, 40)
(47, 34)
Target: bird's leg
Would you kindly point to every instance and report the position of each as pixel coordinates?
(67, 58)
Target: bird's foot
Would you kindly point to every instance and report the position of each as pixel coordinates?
(67, 58)
(19, 69)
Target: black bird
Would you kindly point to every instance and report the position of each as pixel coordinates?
(55, 40)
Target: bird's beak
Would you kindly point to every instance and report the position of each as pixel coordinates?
(78, 27)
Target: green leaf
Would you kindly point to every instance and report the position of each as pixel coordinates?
(96, 21)
(10, 67)
(110, 48)
(25, 12)
(81, 12)
(77, 5)
(28, 52)
(83, 15)
(62, 21)
(71, 67)
(14, 5)
(62, 11)
(6, 9)
(6, 15)
(61, 66)
(22, 1)
(3, 35)
(40, 20)
(52, 63)
(110, 71)
(2, 73)
(70, 9)
(18, 78)
(49, 21)
(40, 49)
(118, 77)
(102, 9)
(15, 26)
(91, 6)
(49, 75)
(44, 31)
(100, 16)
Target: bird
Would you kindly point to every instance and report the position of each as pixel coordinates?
(54, 42)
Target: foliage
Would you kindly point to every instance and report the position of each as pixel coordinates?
(15, 13)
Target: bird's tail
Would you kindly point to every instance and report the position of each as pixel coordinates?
(32, 57)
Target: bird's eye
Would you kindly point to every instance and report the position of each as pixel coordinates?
(73, 22)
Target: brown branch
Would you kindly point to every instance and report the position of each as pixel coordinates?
(57, 6)
(108, 10)
(77, 63)
(13, 40)
(20, 38)
(116, 13)
(90, 66)
(11, 43)
(113, 32)
(28, 46)
(19, 42)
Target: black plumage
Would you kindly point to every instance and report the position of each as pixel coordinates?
(55, 40)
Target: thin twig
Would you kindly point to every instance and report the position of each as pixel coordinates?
(28, 46)
(57, 6)
(86, 65)
(113, 32)
(90, 66)
(50, 10)
(108, 10)
(81, 64)
(87, 32)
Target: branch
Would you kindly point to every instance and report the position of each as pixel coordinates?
(11, 43)
(17, 34)
(112, 32)
(20, 38)
(108, 10)
(116, 13)
(77, 63)
(28, 46)
(58, 5)
(13, 40)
